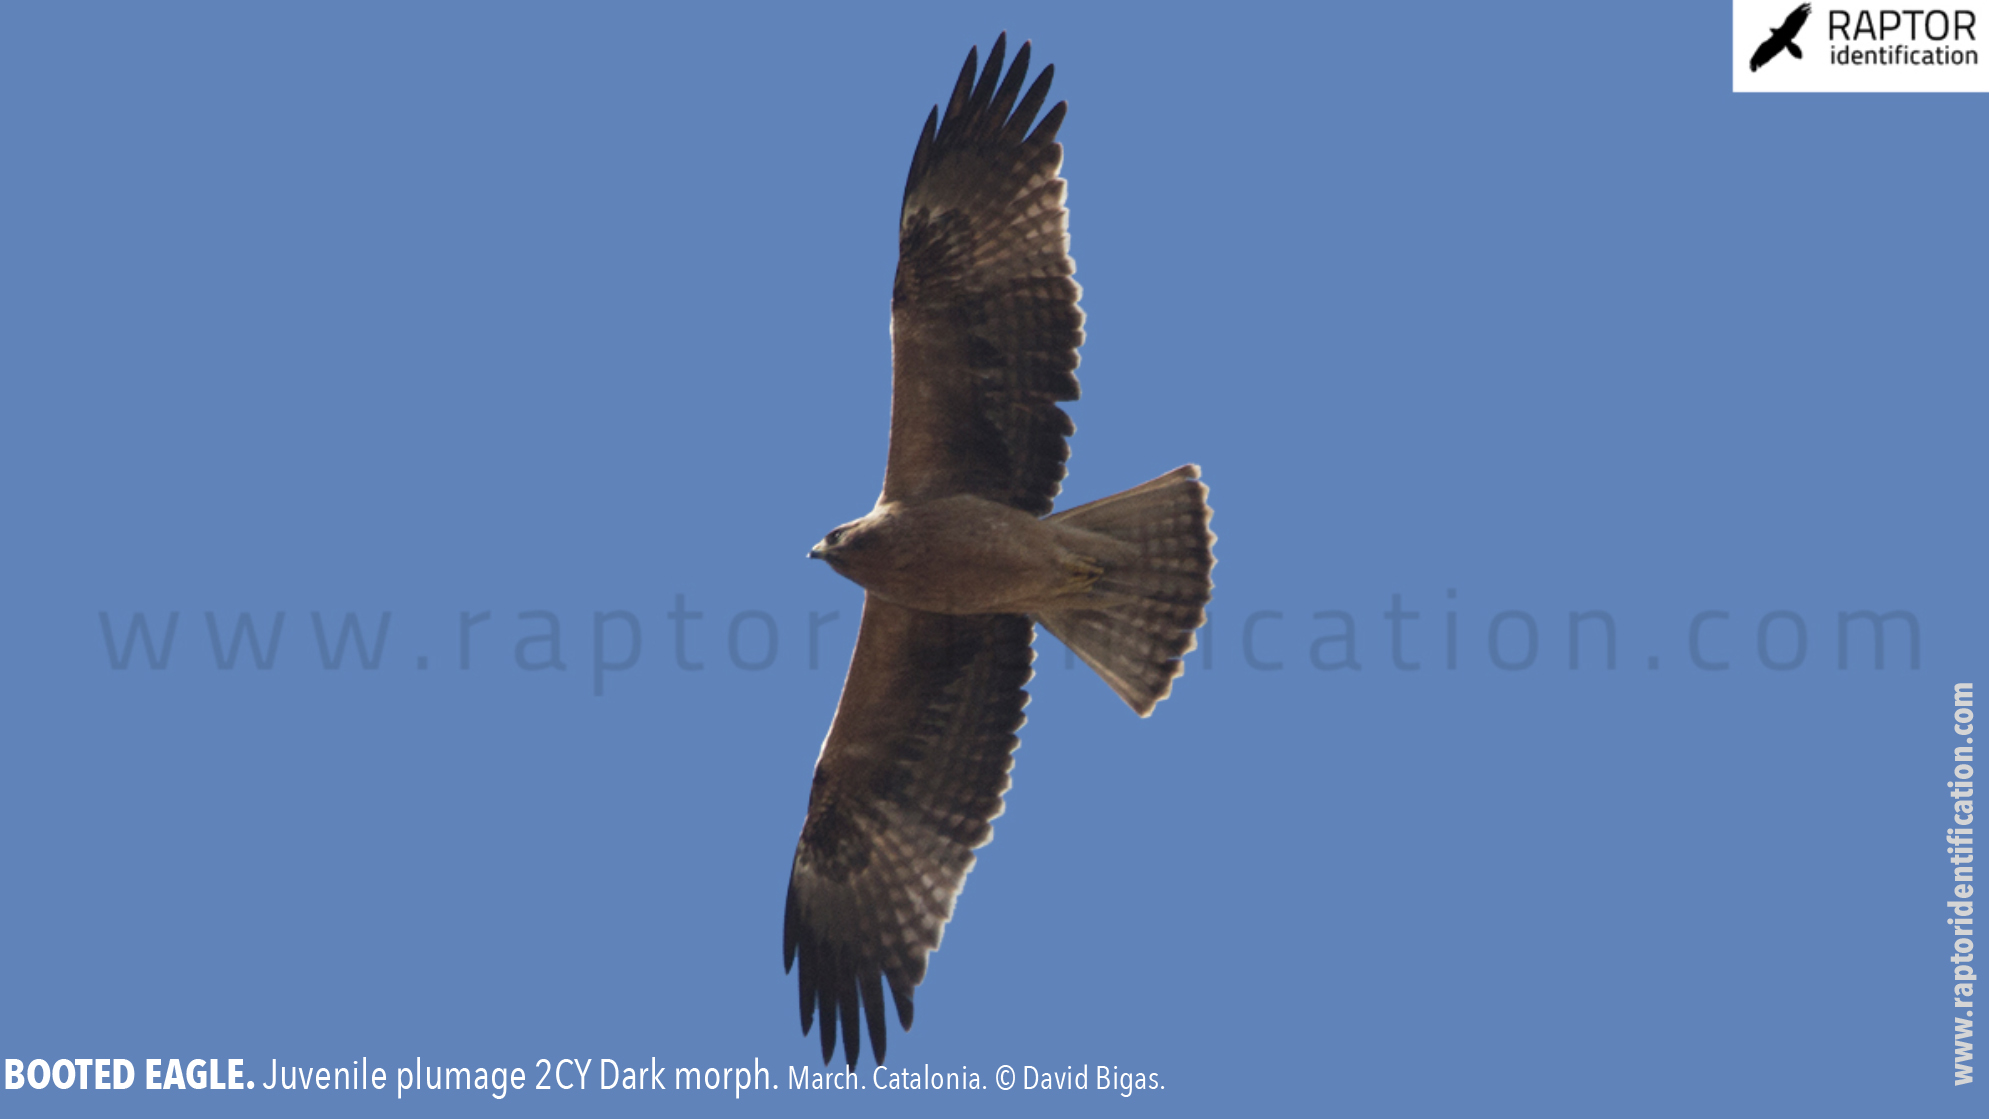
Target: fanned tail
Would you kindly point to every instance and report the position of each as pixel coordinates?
(1134, 624)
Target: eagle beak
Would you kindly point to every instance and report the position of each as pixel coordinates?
(815, 552)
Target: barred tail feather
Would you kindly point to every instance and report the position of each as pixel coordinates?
(1134, 624)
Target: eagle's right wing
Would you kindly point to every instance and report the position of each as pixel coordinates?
(912, 772)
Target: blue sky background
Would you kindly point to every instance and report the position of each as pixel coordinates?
(492, 308)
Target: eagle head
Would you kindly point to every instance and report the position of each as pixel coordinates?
(841, 543)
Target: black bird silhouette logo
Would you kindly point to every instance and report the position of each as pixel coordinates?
(1781, 38)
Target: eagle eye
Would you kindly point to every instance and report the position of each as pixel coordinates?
(835, 537)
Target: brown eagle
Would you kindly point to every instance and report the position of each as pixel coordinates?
(961, 557)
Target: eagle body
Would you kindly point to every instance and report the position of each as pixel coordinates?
(963, 556)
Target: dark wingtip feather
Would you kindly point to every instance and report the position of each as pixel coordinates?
(923, 153)
(996, 120)
(846, 995)
(984, 88)
(790, 933)
(809, 978)
(873, 1012)
(963, 87)
(1024, 114)
(828, 1027)
(1052, 120)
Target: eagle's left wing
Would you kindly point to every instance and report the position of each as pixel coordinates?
(912, 772)
(984, 318)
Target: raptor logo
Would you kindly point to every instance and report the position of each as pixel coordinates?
(1781, 38)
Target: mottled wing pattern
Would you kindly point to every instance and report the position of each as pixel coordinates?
(913, 770)
(984, 318)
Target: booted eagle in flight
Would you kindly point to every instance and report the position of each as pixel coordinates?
(961, 558)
